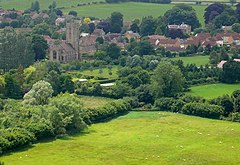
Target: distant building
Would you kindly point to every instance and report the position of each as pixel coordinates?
(183, 27)
(130, 34)
(221, 63)
(65, 50)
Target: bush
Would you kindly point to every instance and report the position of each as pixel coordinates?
(235, 117)
(110, 110)
(13, 138)
(164, 104)
(203, 110)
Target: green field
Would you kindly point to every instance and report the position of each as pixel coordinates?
(25, 4)
(211, 91)
(198, 60)
(141, 138)
(93, 102)
(130, 10)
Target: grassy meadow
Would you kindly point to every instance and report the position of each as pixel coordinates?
(104, 74)
(130, 10)
(198, 60)
(94, 102)
(25, 4)
(140, 138)
(211, 91)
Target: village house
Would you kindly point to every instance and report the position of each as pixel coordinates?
(183, 27)
(130, 34)
(59, 21)
(87, 45)
(98, 32)
(221, 63)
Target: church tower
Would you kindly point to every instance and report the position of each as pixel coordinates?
(73, 34)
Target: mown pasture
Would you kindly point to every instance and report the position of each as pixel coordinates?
(140, 138)
(130, 10)
(198, 60)
(211, 91)
(94, 102)
(44, 4)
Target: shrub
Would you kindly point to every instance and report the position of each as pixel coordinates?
(164, 104)
(203, 110)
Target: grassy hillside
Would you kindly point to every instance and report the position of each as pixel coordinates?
(130, 10)
(198, 60)
(141, 138)
(24, 4)
(211, 91)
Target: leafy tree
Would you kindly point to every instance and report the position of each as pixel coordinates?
(224, 19)
(39, 94)
(167, 80)
(15, 50)
(42, 29)
(35, 6)
(91, 27)
(175, 33)
(69, 110)
(67, 85)
(212, 11)
(226, 102)
(182, 13)
(147, 26)
(237, 104)
(236, 27)
(100, 40)
(145, 48)
(40, 46)
(113, 51)
(116, 22)
(135, 27)
(59, 12)
(214, 57)
(12, 87)
(231, 72)
(105, 25)
(134, 61)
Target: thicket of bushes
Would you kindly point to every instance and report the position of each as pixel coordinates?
(224, 107)
(22, 125)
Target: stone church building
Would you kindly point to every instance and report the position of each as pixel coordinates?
(67, 50)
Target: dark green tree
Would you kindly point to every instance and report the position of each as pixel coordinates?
(40, 46)
(116, 22)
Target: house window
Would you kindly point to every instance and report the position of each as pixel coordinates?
(54, 55)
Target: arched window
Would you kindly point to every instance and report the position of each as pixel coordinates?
(54, 55)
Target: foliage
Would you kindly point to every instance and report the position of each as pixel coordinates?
(231, 72)
(203, 110)
(167, 80)
(40, 46)
(116, 22)
(39, 94)
(180, 14)
(15, 50)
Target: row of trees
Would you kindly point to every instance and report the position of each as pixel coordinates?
(20, 49)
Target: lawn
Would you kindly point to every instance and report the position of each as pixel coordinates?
(141, 138)
(130, 10)
(93, 102)
(198, 60)
(211, 91)
(25, 4)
